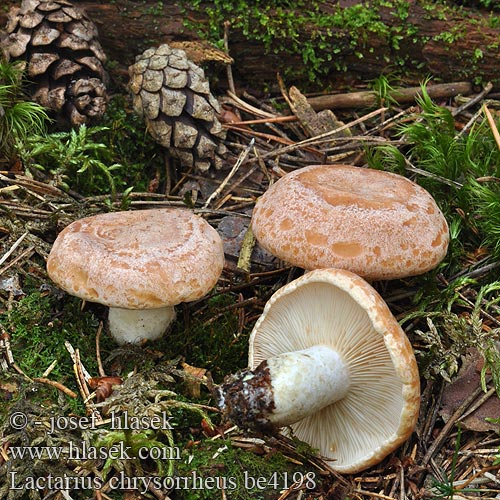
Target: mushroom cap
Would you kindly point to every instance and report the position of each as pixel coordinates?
(339, 309)
(376, 224)
(143, 259)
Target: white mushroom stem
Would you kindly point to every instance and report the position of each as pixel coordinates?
(284, 389)
(134, 325)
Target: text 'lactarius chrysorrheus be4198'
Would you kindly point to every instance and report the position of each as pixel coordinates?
(139, 263)
(328, 359)
(376, 224)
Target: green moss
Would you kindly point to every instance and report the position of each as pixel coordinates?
(130, 145)
(41, 320)
(321, 40)
(206, 335)
(39, 324)
(115, 157)
(245, 475)
(287, 27)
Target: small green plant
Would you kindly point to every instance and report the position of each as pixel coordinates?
(73, 157)
(445, 487)
(386, 93)
(460, 171)
(20, 118)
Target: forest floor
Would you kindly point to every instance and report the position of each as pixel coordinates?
(58, 366)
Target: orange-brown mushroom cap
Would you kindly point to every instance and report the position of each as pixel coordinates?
(376, 224)
(143, 259)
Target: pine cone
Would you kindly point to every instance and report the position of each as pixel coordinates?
(173, 96)
(63, 56)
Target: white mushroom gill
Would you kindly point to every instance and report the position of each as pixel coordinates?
(135, 325)
(374, 401)
(329, 360)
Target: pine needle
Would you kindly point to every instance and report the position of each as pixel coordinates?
(492, 123)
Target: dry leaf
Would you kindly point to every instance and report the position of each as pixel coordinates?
(103, 386)
(466, 382)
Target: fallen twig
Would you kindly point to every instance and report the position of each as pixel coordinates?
(13, 247)
(57, 385)
(100, 368)
(470, 102)
(237, 165)
(368, 98)
(322, 137)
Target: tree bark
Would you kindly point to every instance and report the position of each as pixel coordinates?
(448, 44)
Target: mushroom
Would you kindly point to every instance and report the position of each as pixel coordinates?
(328, 359)
(139, 263)
(376, 224)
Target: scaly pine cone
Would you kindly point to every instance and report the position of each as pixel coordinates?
(173, 96)
(64, 59)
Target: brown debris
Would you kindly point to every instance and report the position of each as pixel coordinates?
(466, 383)
(194, 379)
(200, 51)
(103, 386)
(314, 123)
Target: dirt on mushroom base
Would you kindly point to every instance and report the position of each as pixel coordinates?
(458, 317)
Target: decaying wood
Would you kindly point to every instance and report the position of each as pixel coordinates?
(314, 123)
(127, 28)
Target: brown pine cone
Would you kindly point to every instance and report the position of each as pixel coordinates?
(173, 95)
(64, 59)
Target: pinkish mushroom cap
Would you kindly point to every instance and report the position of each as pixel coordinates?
(143, 260)
(376, 224)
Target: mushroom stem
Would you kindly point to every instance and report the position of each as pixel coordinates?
(284, 389)
(134, 325)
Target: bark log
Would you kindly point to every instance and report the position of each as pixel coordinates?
(127, 28)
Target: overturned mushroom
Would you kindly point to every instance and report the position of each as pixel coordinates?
(328, 359)
(139, 263)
